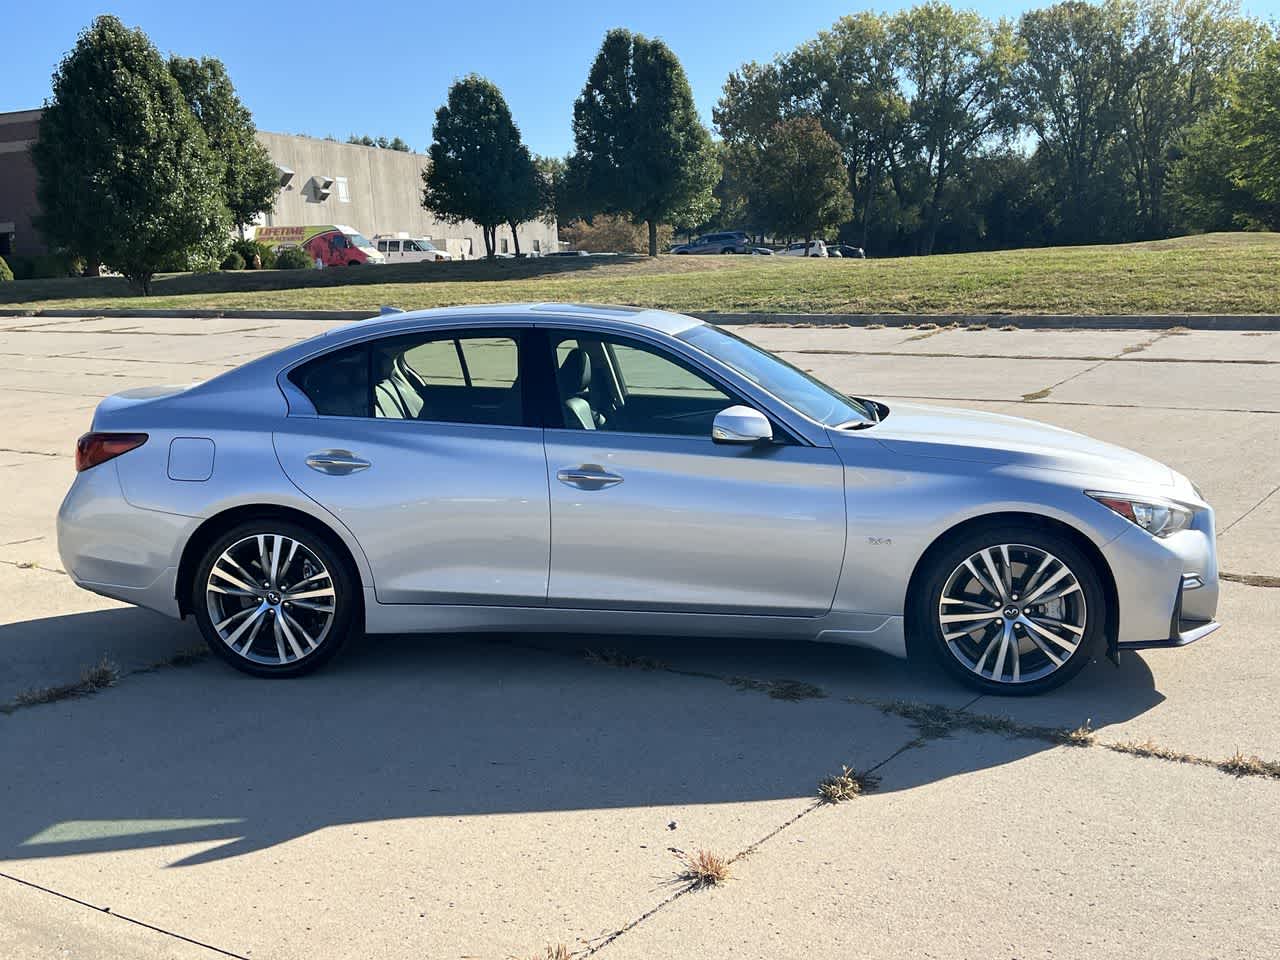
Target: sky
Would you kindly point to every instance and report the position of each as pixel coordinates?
(382, 67)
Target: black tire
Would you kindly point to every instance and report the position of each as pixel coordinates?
(353, 263)
(343, 580)
(926, 601)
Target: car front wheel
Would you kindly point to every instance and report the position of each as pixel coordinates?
(274, 599)
(1011, 609)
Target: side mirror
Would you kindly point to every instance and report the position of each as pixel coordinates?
(741, 425)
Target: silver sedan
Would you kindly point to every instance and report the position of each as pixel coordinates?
(603, 469)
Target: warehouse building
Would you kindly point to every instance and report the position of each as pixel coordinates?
(374, 190)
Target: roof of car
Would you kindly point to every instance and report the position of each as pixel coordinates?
(391, 323)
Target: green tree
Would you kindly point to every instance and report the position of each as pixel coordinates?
(125, 176)
(799, 186)
(480, 170)
(1182, 56)
(641, 149)
(398, 145)
(957, 66)
(1229, 173)
(1071, 85)
(250, 182)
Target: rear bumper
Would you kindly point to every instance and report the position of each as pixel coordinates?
(118, 550)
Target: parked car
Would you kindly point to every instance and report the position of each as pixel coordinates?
(848, 251)
(402, 248)
(815, 248)
(733, 241)
(329, 244)
(609, 469)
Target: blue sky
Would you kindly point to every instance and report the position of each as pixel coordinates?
(383, 66)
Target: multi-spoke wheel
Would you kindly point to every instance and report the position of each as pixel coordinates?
(273, 599)
(1012, 610)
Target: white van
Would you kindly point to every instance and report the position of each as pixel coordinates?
(402, 248)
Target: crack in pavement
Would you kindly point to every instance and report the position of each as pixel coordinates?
(120, 916)
(1041, 394)
(1250, 510)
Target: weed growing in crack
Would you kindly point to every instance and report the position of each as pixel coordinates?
(846, 785)
(1081, 736)
(793, 690)
(702, 869)
(615, 658)
(101, 675)
(557, 952)
(1249, 766)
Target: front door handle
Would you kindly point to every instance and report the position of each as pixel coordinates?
(589, 476)
(336, 463)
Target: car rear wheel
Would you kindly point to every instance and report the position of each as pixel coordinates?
(1012, 609)
(274, 599)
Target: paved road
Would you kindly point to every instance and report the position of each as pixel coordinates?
(487, 797)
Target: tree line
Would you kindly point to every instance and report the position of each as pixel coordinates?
(930, 129)
(1078, 122)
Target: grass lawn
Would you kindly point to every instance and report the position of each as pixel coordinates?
(1215, 273)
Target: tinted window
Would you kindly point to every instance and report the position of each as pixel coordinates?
(466, 378)
(451, 379)
(337, 384)
(623, 386)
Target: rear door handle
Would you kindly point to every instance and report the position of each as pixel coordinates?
(336, 463)
(589, 476)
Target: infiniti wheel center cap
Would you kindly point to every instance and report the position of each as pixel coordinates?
(273, 598)
(1011, 612)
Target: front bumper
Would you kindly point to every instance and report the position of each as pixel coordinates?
(1182, 630)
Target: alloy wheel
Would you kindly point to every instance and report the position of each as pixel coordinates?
(1012, 613)
(271, 599)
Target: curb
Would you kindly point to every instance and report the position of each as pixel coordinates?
(1028, 321)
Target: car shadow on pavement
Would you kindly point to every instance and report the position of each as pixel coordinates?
(451, 726)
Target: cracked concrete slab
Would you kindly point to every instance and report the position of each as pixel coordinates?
(487, 796)
(1217, 696)
(1218, 345)
(51, 630)
(1201, 387)
(479, 800)
(1048, 344)
(1035, 854)
(42, 926)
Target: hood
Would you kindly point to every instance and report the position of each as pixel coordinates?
(951, 434)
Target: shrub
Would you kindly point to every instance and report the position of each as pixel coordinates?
(267, 255)
(5, 273)
(293, 258)
(233, 261)
(257, 256)
(47, 266)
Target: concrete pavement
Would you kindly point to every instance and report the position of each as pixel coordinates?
(488, 796)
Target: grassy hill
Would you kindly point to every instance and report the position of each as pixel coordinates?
(1214, 273)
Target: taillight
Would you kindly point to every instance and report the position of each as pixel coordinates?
(95, 448)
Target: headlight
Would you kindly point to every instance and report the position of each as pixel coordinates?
(1158, 517)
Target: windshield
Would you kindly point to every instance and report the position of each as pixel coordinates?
(425, 245)
(358, 240)
(792, 386)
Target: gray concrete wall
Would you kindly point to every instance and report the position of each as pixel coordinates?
(384, 195)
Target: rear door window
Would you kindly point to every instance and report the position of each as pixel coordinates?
(456, 377)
